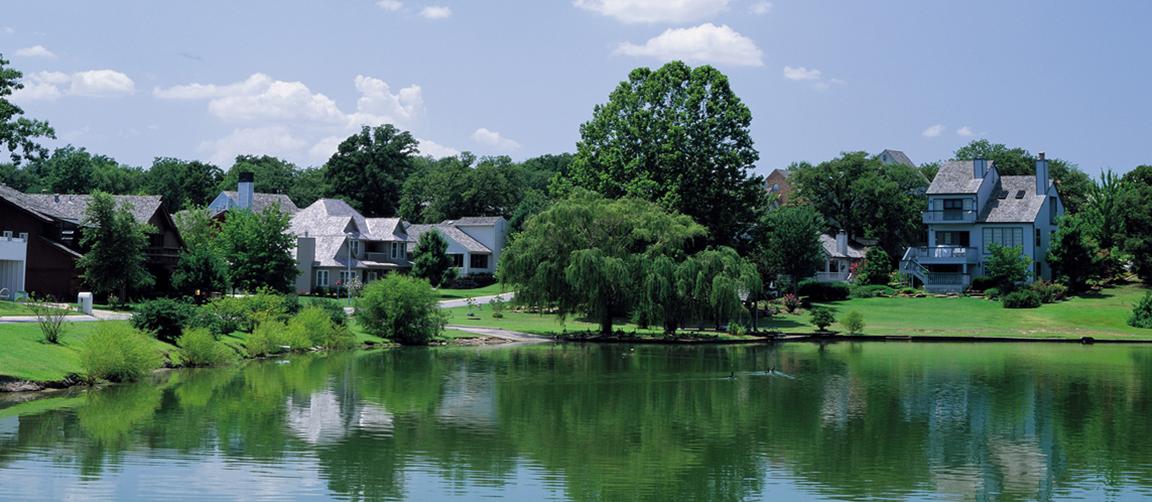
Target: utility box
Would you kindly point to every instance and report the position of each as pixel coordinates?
(84, 300)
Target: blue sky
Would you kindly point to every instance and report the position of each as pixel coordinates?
(136, 79)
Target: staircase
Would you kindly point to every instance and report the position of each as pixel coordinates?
(938, 282)
(910, 267)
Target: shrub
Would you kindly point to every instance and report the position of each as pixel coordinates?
(497, 306)
(118, 353)
(164, 318)
(1142, 313)
(1050, 292)
(853, 322)
(1021, 299)
(823, 291)
(242, 313)
(737, 329)
(875, 269)
(871, 291)
(909, 291)
(273, 337)
(199, 348)
(402, 309)
(315, 324)
(49, 316)
(822, 318)
(992, 293)
(982, 283)
(791, 302)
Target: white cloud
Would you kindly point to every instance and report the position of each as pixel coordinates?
(760, 8)
(251, 85)
(390, 5)
(933, 131)
(436, 12)
(47, 85)
(655, 11)
(324, 148)
(431, 148)
(377, 103)
(965, 131)
(706, 43)
(277, 102)
(801, 73)
(36, 51)
(275, 140)
(494, 140)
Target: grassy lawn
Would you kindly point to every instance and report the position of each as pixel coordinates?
(9, 308)
(458, 294)
(25, 357)
(1103, 316)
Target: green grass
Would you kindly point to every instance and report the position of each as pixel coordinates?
(1102, 316)
(458, 294)
(26, 357)
(10, 308)
(547, 324)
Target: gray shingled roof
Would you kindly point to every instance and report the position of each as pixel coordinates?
(450, 232)
(899, 157)
(955, 176)
(327, 220)
(1010, 209)
(72, 207)
(476, 221)
(260, 201)
(829, 243)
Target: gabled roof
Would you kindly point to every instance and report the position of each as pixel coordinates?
(1011, 209)
(829, 244)
(474, 221)
(261, 201)
(72, 208)
(899, 157)
(449, 232)
(955, 177)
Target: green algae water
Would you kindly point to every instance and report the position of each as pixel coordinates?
(874, 421)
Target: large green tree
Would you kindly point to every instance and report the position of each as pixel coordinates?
(789, 243)
(582, 255)
(1073, 253)
(270, 174)
(309, 186)
(865, 197)
(18, 134)
(1074, 186)
(1136, 202)
(183, 184)
(201, 266)
(431, 261)
(258, 249)
(369, 169)
(678, 136)
(114, 244)
(1104, 210)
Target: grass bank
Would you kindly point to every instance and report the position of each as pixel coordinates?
(1102, 316)
(26, 357)
(459, 294)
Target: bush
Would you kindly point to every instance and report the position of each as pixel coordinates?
(1050, 292)
(791, 302)
(316, 325)
(992, 293)
(875, 269)
(49, 316)
(822, 318)
(119, 354)
(228, 314)
(1021, 299)
(402, 309)
(273, 337)
(823, 291)
(871, 291)
(1142, 313)
(199, 348)
(164, 318)
(497, 306)
(737, 329)
(982, 283)
(853, 322)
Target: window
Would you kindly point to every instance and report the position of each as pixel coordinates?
(346, 276)
(478, 261)
(355, 245)
(457, 260)
(1037, 237)
(1052, 210)
(953, 209)
(1008, 237)
(952, 238)
(322, 278)
(398, 251)
(953, 203)
(373, 275)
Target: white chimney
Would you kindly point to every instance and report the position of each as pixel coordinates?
(979, 168)
(1041, 174)
(842, 243)
(244, 191)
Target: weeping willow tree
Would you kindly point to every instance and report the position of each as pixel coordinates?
(584, 254)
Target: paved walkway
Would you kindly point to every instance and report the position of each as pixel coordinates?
(480, 300)
(97, 315)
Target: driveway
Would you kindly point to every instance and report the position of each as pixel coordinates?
(480, 300)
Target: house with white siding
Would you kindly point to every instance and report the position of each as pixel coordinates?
(970, 207)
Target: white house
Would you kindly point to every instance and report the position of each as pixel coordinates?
(245, 197)
(335, 244)
(839, 256)
(970, 207)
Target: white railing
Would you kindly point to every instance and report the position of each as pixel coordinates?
(926, 253)
(949, 216)
(832, 276)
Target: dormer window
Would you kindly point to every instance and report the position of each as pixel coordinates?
(355, 245)
(1019, 194)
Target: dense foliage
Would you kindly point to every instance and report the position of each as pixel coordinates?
(430, 261)
(199, 348)
(1021, 299)
(118, 353)
(115, 243)
(258, 248)
(1142, 313)
(18, 134)
(369, 168)
(163, 318)
(402, 309)
(1136, 202)
(789, 243)
(677, 136)
(1006, 266)
(820, 291)
(821, 318)
(875, 269)
(1073, 253)
(853, 322)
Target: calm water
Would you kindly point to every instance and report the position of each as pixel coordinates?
(844, 422)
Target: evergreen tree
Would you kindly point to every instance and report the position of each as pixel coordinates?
(431, 261)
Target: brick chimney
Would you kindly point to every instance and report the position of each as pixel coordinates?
(244, 191)
(1041, 174)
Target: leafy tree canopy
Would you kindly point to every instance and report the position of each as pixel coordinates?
(677, 136)
(370, 167)
(270, 174)
(258, 249)
(184, 184)
(114, 243)
(18, 134)
(1136, 202)
(789, 242)
(431, 261)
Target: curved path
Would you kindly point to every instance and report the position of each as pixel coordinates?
(503, 334)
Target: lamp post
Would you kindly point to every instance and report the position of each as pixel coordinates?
(348, 276)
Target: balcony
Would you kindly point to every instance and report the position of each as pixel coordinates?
(831, 276)
(384, 258)
(943, 254)
(949, 216)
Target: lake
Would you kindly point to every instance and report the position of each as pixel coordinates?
(875, 421)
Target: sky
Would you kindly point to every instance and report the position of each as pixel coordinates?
(138, 79)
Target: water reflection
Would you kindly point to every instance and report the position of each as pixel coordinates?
(888, 421)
